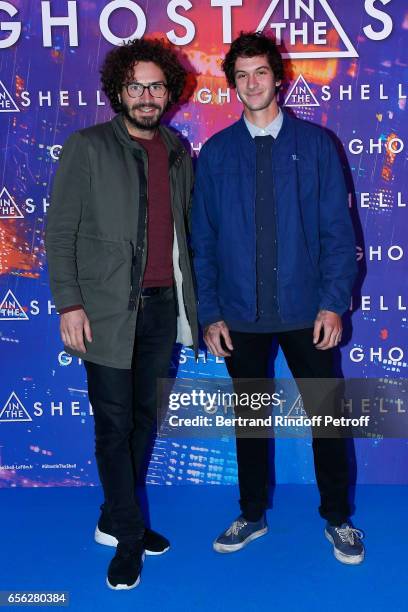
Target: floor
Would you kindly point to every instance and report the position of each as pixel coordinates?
(46, 537)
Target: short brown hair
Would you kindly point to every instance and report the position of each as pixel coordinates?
(250, 44)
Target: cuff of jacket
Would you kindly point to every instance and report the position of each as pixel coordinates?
(70, 309)
(333, 308)
(210, 320)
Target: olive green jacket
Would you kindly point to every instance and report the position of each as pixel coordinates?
(96, 237)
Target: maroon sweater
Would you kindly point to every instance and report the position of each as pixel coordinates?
(159, 265)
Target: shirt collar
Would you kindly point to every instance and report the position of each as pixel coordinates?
(272, 129)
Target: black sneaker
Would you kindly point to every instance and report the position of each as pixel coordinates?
(125, 567)
(154, 543)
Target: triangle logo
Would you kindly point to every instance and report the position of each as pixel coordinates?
(297, 408)
(300, 94)
(13, 410)
(11, 309)
(299, 22)
(8, 206)
(7, 104)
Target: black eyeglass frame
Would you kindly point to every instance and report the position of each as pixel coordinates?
(149, 87)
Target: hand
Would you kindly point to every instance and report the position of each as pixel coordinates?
(212, 337)
(73, 326)
(332, 326)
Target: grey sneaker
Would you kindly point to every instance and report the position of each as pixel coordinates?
(347, 544)
(239, 534)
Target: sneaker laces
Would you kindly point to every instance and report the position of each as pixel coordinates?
(348, 534)
(236, 527)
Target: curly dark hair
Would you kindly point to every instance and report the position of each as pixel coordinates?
(250, 44)
(118, 67)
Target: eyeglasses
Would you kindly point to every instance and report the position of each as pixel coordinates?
(156, 90)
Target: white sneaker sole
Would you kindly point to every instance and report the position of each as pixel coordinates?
(230, 548)
(109, 540)
(123, 587)
(105, 538)
(347, 559)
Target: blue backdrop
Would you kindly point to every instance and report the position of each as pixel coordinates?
(347, 69)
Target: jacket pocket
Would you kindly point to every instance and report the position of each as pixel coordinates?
(99, 259)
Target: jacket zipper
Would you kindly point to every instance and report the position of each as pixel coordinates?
(135, 301)
(145, 240)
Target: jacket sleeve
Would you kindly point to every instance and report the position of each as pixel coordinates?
(204, 237)
(338, 267)
(70, 189)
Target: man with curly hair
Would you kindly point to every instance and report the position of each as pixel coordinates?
(274, 256)
(121, 277)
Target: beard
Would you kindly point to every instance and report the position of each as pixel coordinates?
(145, 123)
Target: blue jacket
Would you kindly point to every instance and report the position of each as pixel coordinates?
(315, 239)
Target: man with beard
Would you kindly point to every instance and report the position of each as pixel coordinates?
(121, 277)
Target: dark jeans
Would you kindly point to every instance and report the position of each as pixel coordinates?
(249, 359)
(124, 403)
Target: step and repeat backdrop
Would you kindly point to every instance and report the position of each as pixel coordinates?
(347, 70)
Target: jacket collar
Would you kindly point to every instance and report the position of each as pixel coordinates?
(175, 149)
(287, 125)
(287, 134)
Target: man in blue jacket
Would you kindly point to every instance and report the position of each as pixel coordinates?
(274, 256)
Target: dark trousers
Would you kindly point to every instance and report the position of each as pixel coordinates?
(249, 359)
(124, 403)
